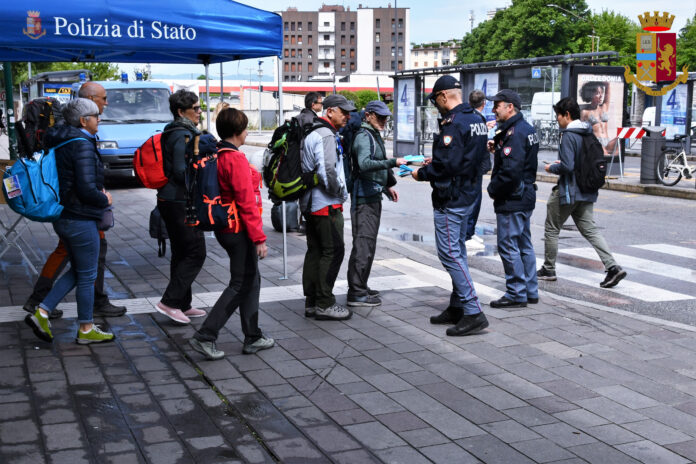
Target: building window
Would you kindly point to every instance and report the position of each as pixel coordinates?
(401, 23)
(309, 40)
(401, 36)
(415, 64)
(292, 78)
(343, 66)
(310, 67)
(343, 53)
(435, 54)
(286, 66)
(326, 24)
(392, 23)
(377, 51)
(299, 26)
(326, 64)
(299, 40)
(415, 53)
(309, 53)
(401, 51)
(299, 67)
(392, 51)
(309, 26)
(343, 40)
(287, 53)
(352, 66)
(292, 40)
(377, 65)
(401, 65)
(286, 78)
(286, 38)
(352, 53)
(327, 36)
(435, 64)
(286, 25)
(299, 53)
(343, 26)
(352, 40)
(378, 23)
(352, 26)
(425, 64)
(292, 53)
(293, 67)
(377, 37)
(445, 62)
(292, 26)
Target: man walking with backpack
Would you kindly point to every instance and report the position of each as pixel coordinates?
(322, 153)
(372, 176)
(567, 198)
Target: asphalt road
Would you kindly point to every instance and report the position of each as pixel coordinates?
(651, 237)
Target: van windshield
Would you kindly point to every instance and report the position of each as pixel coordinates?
(133, 106)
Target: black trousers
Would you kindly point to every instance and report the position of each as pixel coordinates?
(365, 227)
(325, 251)
(242, 292)
(188, 255)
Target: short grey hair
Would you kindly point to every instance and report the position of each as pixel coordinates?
(477, 98)
(79, 108)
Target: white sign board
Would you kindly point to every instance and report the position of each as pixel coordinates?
(406, 110)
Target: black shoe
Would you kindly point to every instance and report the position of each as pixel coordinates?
(109, 310)
(372, 292)
(532, 300)
(614, 276)
(468, 325)
(449, 316)
(545, 274)
(506, 303)
(366, 300)
(30, 307)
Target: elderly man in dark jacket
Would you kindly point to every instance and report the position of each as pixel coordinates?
(566, 199)
(82, 194)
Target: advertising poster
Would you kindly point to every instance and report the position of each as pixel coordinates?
(488, 83)
(58, 91)
(601, 104)
(673, 116)
(406, 114)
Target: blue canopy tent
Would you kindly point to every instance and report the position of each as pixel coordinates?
(133, 31)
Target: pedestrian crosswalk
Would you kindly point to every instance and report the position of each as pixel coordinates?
(657, 278)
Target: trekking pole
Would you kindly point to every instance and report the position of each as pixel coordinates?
(285, 245)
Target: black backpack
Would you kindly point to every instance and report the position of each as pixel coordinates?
(590, 166)
(158, 230)
(282, 166)
(39, 115)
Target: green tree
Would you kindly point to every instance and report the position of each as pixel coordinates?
(364, 97)
(686, 45)
(529, 28)
(100, 71)
(350, 96)
(617, 32)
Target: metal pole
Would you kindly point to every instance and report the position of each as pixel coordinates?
(285, 245)
(260, 75)
(280, 93)
(222, 92)
(396, 43)
(9, 106)
(207, 98)
(379, 96)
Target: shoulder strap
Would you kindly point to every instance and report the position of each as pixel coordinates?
(68, 141)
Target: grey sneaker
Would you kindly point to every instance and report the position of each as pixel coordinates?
(262, 343)
(367, 300)
(207, 349)
(335, 312)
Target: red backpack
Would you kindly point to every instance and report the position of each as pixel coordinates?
(148, 162)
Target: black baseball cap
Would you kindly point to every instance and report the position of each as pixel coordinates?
(507, 96)
(340, 101)
(444, 83)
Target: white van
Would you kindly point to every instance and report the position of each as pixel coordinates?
(542, 108)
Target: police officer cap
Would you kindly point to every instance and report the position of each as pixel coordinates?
(444, 83)
(340, 101)
(378, 107)
(507, 96)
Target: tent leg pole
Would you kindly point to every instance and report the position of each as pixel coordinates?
(207, 98)
(285, 245)
(280, 92)
(222, 92)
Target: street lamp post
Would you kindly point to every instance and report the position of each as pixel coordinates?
(592, 47)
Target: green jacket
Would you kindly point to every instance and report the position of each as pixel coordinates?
(372, 167)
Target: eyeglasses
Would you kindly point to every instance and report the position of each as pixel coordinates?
(196, 108)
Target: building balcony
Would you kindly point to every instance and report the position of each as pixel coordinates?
(329, 28)
(327, 43)
(325, 71)
(326, 56)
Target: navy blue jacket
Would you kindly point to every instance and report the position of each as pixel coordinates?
(515, 163)
(175, 148)
(458, 152)
(80, 173)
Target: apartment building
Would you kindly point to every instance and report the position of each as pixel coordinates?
(335, 41)
(434, 54)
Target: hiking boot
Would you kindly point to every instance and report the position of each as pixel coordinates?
(40, 325)
(468, 325)
(335, 312)
(30, 307)
(195, 312)
(505, 302)
(109, 310)
(207, 349)
(172, 313)
(367, 300)
(614, 276)
(449, 316)
(545, 274)
(372, 292)
(262, 343)
(95, 335)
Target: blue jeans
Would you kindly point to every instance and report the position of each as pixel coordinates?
(517, 253)
(450, 237)
(81, 238)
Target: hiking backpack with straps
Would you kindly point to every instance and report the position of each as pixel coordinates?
(282, 167)
(590, 166)
(148, 161)
(39, 114)
(31, 186)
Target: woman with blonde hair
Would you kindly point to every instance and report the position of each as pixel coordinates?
(223, 105)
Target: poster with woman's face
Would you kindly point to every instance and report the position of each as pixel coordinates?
(601, 105)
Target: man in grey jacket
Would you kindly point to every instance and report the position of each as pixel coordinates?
(322, 206)
(566, 199)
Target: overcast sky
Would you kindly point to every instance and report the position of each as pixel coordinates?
(430, 21)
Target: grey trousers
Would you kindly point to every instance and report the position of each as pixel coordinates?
(581, 212)
(365, 226)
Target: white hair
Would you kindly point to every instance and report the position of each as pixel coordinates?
(79, 108)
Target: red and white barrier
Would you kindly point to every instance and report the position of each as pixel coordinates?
(631, 132)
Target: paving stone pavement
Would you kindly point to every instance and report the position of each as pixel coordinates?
(561, 381)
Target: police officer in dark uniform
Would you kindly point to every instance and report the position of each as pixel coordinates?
(513, 191)
(452, 171)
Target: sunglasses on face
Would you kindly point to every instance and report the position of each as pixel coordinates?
(196, 108)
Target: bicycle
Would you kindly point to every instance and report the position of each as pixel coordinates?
(671, 166)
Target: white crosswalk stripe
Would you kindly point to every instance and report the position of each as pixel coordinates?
(668, 249)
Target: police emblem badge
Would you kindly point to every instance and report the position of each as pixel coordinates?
(507, 150)
(447, 139)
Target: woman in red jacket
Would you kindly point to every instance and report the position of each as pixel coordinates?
(245, 245)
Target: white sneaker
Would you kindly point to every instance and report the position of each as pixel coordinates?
(335, 312)
(475, 243)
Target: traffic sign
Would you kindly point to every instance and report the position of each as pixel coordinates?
(536, 73)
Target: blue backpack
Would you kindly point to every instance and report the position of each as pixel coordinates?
(31, 186)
